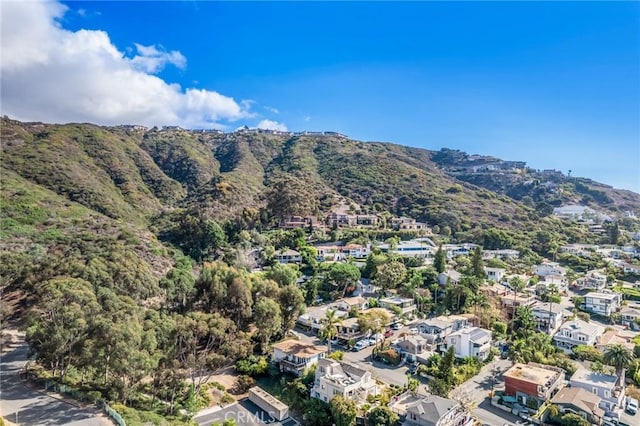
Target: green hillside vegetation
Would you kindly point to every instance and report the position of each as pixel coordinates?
(125, 253)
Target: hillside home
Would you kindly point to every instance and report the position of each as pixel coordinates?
(449, 277)
(366, 220)
(349, 329)
(348, 303)
(602, 385)
(510, 304)
(603, 303)
(629, 268)
(549, 268)
(405, 304)
(581, 250)
(455, 250)
(581, 402)
(276, 409)
(341, 219)
(288, 256)
(409, 224)
(293, 222)
(294, 356)
(560, 281)
(414, 348)
(548, 316)
(418, 247)
(574, 333)
(494, 274)
(433, 410)
(436, 329)
(504, 254)
(335, 378)
(616, 337)
(312, 319)
(470, 341)
(533, 383)
(356, 250)
(593, 280)
(629, 317)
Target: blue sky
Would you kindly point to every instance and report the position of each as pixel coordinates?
(554, 84)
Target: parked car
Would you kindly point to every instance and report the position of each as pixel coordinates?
(396, 326)
(360, 345)
(388, 333)
(632, 406)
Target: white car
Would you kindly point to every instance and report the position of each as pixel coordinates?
(632, 406)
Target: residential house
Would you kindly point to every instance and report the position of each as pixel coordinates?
(470, 341)
(629, 268)
(616, 337)
(348, 303)
(581, 402)
(600, 384)
(504, 254)
(560, 281)
(435, 330)
(366, 220)
(593, 280)
(335, 378)
(414, 347)
(494, 274)
(294, 356)
(409, 224)
(405, 304)
(293, 222)
(349, 329)
(433, 410)
(455, 250)
(418, 247)
(288, 256)
(449, 277)
(510, 304)
(548, 316)
(603, 303)
(533, 384)
(356, 250)
(629, 317)
(549, 268)
(313, 317)
(574, 333)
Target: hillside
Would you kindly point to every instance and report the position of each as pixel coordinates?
(92, 200)
(531, 186)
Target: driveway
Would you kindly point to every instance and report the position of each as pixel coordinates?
(23, 405)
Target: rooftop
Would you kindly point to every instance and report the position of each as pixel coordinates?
(431, 409)
(299, 349)
(546, 307)
(266, 396)
(533, 373)
(579, 398)
(582, 375)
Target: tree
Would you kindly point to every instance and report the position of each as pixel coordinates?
(477, 264)
(619, 357)
(524, 322)
(344, 411)
(517, 284)
(572, 419)
(239, 301)
(179, 284)
(383, 416)
(268, 318)
(390, 275)
(196, 235)
(330, 326)
(284, 275)
(290, 195)
(440, 260)
(343, 276)
(311, 291)
(62, 320)
(291, 302)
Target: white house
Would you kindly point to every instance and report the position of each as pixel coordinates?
(574, 333)
(348, 303)
(602, 385)
(294, 356)
(449, 277)
(549, 268)
(288, 256)
(548, 316)
(603, 303)
(629, 268)
(405, 304)
(494, 274)
(414, 347)
(470, 341)
(629, 316)
(593, 280)
(335, 378)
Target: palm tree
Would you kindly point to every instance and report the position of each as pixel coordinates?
(552, 290)
(517, 284)
(330, 329)
(619, 357)
(478, 300)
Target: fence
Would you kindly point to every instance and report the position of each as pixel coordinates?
(75, 394)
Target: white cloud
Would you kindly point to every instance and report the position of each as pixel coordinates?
(271, 125)
(55, 75)
(306, 118)
(272, 110)
(151, 59)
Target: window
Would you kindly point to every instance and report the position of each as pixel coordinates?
(594, 390)
(607, 394)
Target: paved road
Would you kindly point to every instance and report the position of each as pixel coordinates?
(23, 405)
